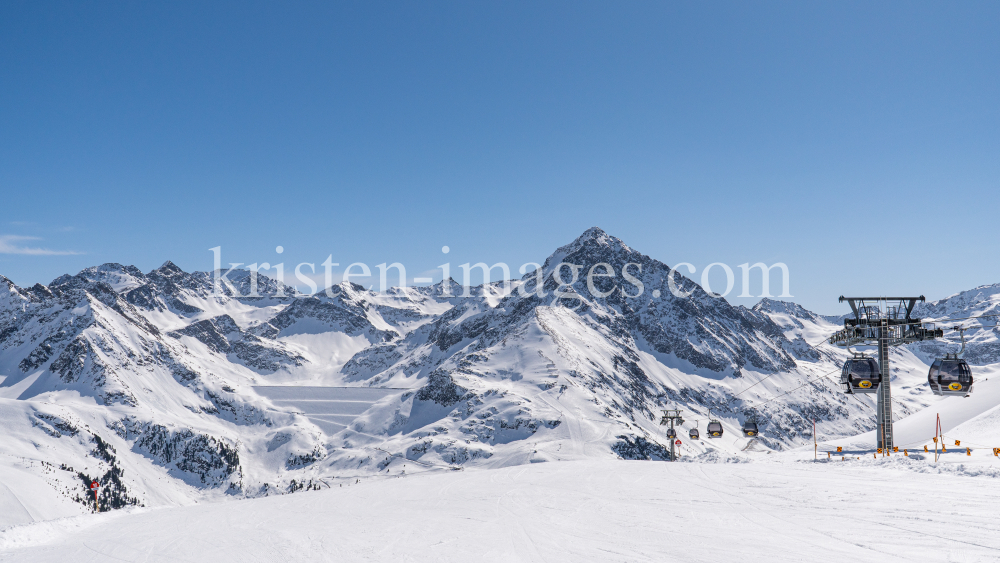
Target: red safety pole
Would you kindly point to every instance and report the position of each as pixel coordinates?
(93, 487)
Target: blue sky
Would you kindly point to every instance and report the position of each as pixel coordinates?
(733, 132)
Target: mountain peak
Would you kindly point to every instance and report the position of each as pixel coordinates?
(593, 233)
(594, 245)
(169, 271)
(597, 238)
(120, 278)
(768, 305)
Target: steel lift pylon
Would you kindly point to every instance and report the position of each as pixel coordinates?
(883, 322)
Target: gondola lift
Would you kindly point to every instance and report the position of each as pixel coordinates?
(671, 433)
(750, 428)
(860, 374)
(951, 375)
(714, 428)
(693, 433)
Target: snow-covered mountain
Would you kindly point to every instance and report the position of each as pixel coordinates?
(970, 310)
(147, 381)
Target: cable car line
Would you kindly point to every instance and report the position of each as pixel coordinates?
(946, 320)
(808, 382)
(861, 374)
(811, 347)
(872, 386)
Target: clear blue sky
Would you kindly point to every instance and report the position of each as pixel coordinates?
(801, 132)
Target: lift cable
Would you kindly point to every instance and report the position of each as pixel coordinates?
(761, 380)
(814, 347)
(810, 380)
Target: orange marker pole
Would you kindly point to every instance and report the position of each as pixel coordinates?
(937, 432)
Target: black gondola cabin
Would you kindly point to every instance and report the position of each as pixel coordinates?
(950, 375)
(714, 429)
(860, 375)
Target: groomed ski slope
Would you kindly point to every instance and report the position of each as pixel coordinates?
(778, 507)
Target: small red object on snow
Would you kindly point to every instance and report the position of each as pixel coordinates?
(678, 442)
(94, 486)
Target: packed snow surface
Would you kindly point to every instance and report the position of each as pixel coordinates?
(786, 509)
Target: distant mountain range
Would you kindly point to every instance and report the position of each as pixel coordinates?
(147, 381)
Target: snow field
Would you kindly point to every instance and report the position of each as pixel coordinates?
(772, 509)
(332, 409)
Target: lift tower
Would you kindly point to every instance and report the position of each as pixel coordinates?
(672, 417)
(883, 322)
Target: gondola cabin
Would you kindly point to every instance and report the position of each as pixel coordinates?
(750, 429)
(951, 376)
(693, 434)
(860, 375)
(671, 433)
(714, 429)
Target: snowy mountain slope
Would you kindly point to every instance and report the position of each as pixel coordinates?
(95, 386)
(802, 328)
(329, 328)
(982, 304)
(172, 298)
(161, 370)
(579, 375)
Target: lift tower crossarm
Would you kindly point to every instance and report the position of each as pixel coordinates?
(920, 298)
(869, 314)
(906, 303)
